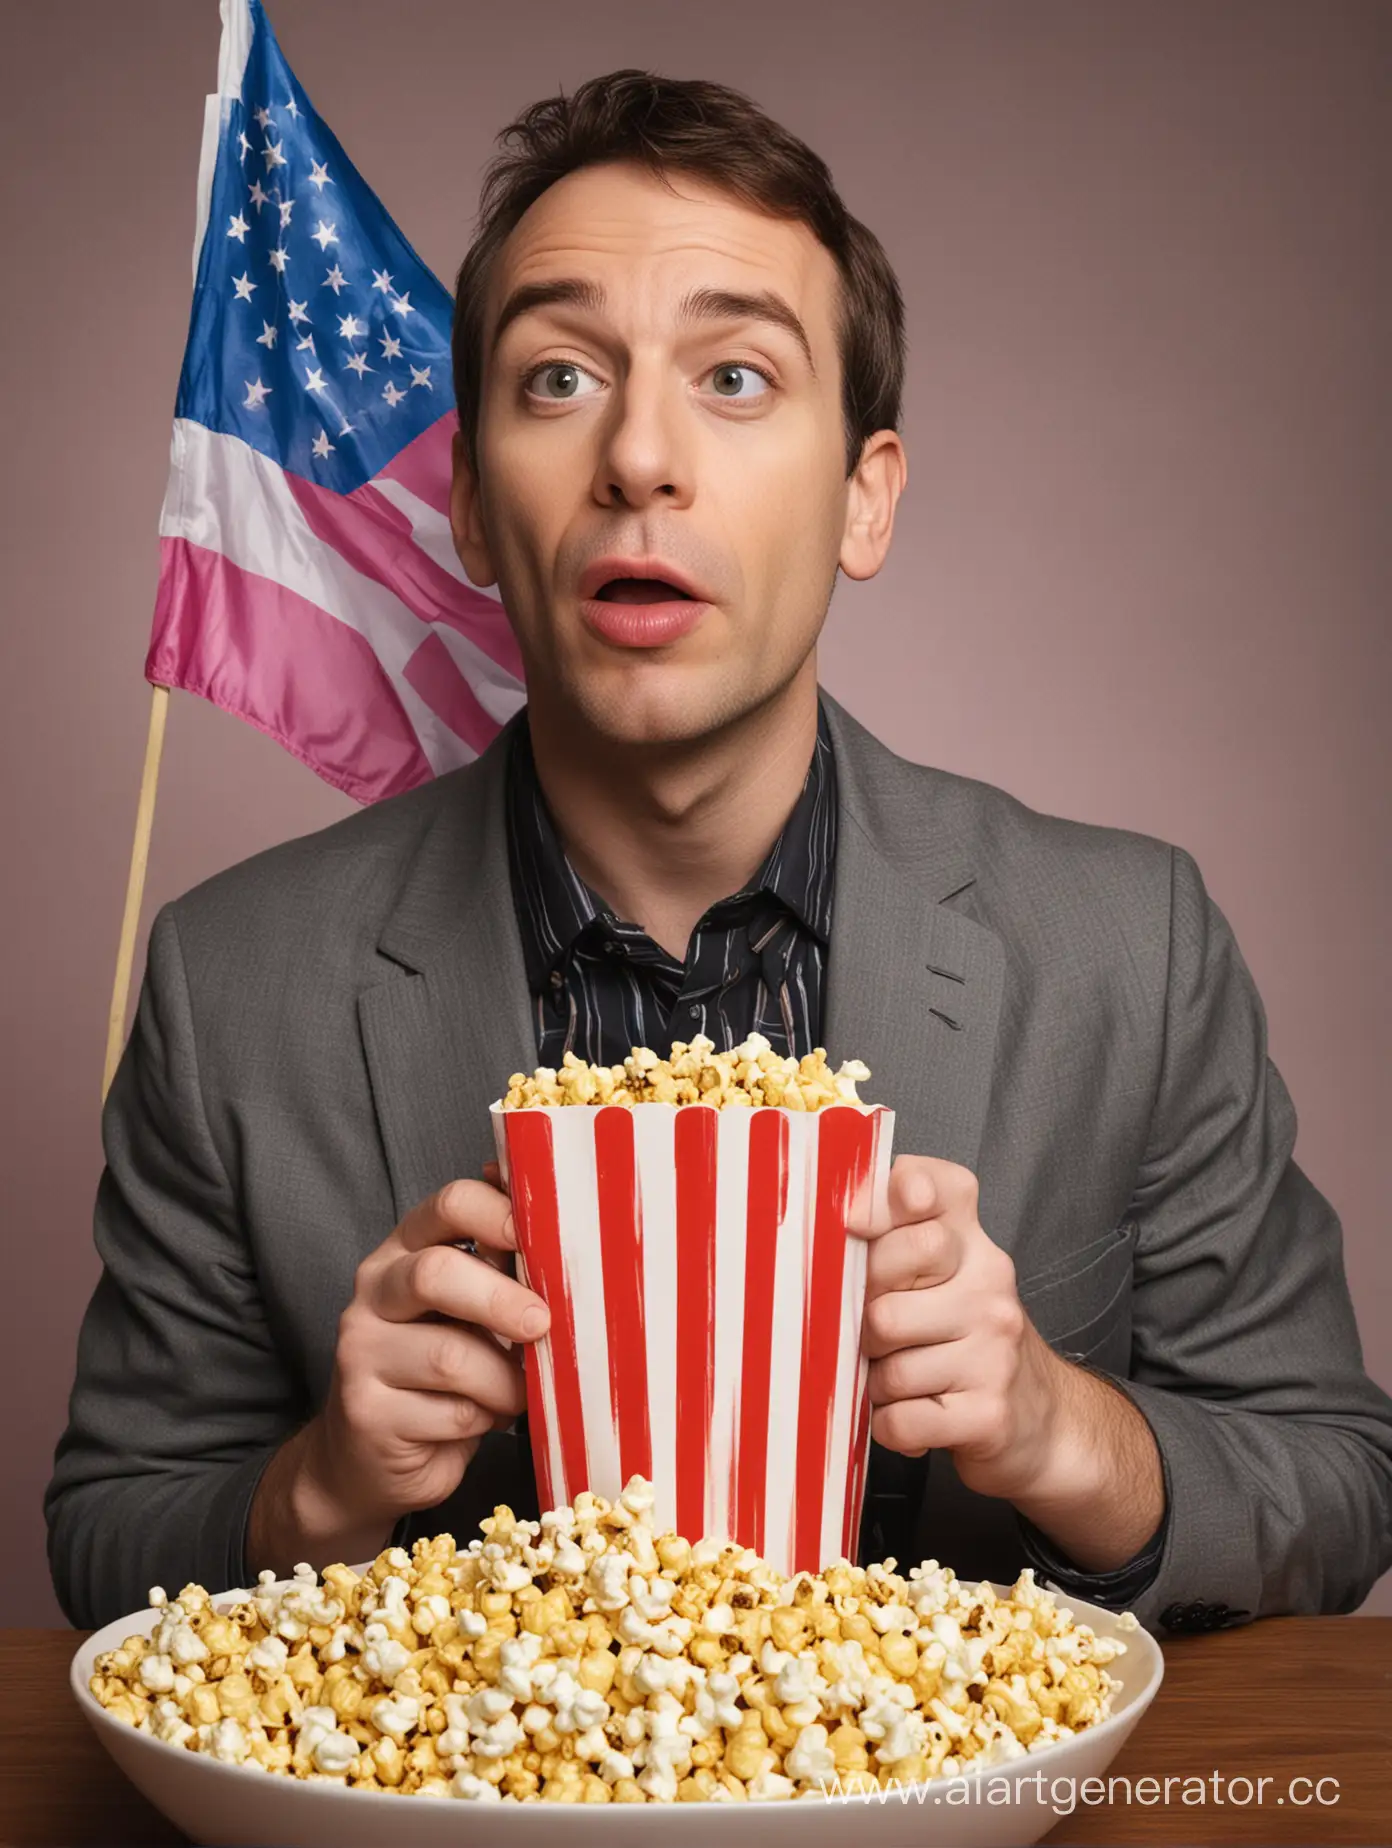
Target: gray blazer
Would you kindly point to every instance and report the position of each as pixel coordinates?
(1061, 1008)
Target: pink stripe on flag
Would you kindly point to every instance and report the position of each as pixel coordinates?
(435, 674)
(375, 537)
(843, 1159)
(425, 466)
(271, 657)
(695, 1132)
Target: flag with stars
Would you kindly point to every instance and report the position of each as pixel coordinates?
(307, 579)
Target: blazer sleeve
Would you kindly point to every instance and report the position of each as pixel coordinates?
(1245, 1353)
(180, 1396)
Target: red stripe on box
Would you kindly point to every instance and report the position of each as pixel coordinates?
(695, 1131)
(844, 1141)
(855, 1475)
(621, 1253)
(860, 1416)
(766, 1204)
(532, 1173)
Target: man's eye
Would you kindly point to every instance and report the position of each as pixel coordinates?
(728, 380)
(558, 380)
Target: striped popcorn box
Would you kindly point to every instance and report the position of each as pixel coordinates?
(706, 1304)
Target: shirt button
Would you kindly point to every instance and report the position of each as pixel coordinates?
(694, 1009)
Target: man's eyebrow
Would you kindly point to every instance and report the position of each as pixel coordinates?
(697, 305)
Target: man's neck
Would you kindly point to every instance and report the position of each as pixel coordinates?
(662, 835)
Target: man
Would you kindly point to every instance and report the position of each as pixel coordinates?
(1109, 1326)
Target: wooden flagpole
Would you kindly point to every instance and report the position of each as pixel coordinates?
(135, 885)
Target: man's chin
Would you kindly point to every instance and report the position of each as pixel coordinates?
(661, 705)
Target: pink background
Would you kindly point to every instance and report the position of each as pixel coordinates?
(1141, 576)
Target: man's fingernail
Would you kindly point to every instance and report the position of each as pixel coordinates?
(534, 1320)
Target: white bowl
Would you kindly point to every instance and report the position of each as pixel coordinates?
(228, 1806)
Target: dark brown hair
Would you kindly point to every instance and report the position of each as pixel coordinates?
(668, 125)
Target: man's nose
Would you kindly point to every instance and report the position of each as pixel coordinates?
(645, 450)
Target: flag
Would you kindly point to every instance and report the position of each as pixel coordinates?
(308, 583)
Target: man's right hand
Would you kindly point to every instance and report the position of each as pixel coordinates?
(418, 1379)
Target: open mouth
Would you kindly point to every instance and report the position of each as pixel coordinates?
(640, 590)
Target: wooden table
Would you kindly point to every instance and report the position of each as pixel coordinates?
(1290, 1698)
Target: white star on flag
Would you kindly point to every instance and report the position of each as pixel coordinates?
(238, 228)
(381, 279)
(256, 394)
(335, 280)
(298, 311)
(267, 337)
(358, 363)
(308, 341)
(258, 197)
(278, 258)
(420, 375)
(403, 305)
(244, 144)
(350, 327)
(321, 445)
(244, 286)
(319, 176)
(325, 235)
(314, 380)
(272, 155)
(262, 118)
(393, 394)
(391, 347)
(292, 109)
(348, 428)
(287, 206)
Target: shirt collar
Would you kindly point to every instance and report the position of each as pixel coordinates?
(554, 905)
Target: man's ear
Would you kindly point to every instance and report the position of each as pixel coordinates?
(466, 523)
(871, 496)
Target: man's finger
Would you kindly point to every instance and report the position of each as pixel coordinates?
(921, 1372)
(914, 1318)
(451, 1283)
(461, 1209)
(913, 1257)
(438, 1417)
(446, 1358)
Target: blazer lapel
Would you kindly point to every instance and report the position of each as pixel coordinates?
(913, 988)
(451, 1018)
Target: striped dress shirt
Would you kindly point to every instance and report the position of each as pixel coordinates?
(756, 961)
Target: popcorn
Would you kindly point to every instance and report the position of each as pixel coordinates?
(584, 1658)
(750, 1075)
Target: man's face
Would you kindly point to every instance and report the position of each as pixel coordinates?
(661, 410)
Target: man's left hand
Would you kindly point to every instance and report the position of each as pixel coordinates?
(956, 1364)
